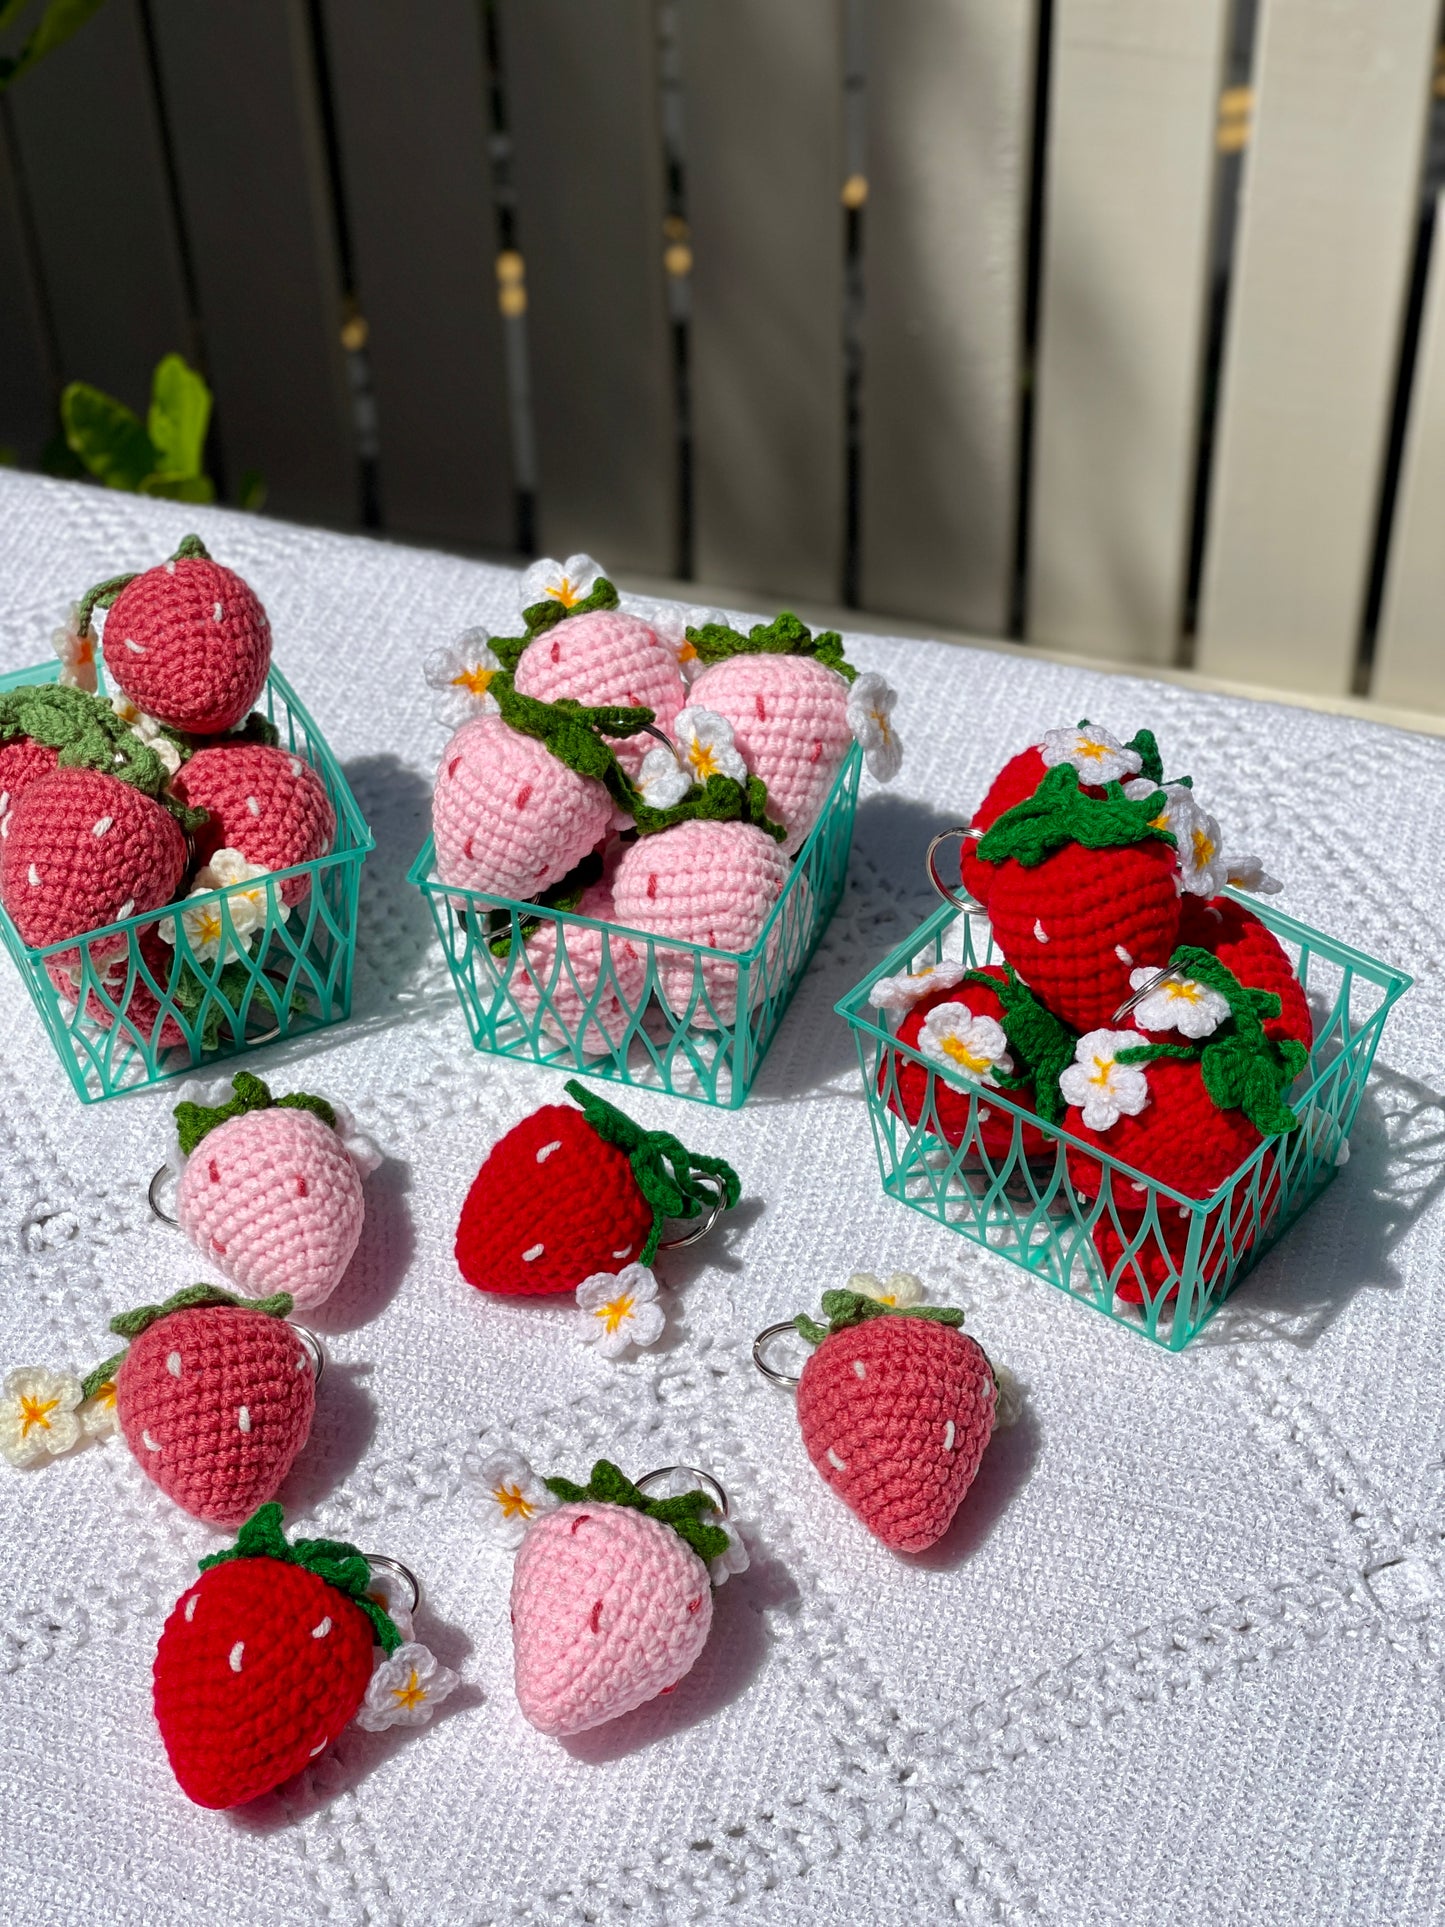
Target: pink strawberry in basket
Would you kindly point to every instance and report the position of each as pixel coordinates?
(264, 801)
(601, 656)
(85, 849)
(565, 991)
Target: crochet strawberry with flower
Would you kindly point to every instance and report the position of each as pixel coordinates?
(270, 1189)
(896, 1406)
(266, 802)
(611, 1599)
(568, 1194)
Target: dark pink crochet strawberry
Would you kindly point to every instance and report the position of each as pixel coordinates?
(22, 763)
(108, 1001)
(188, 641)
(84, 849)
(266, 802)
(896, 1408)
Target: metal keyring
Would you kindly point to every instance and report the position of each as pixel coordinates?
(1146, 989)
(164, 1216)
(720, 1204)
(763, 1338)
(967, 904)
(383, 1562)
(315, 1347)
(709, 1483)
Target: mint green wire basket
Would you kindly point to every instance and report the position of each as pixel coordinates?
(125, 1007)
(594, 999)
(1145, 1255)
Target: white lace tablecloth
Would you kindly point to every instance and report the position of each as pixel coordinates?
(1179, 1661)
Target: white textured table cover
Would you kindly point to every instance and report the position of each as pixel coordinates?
(1181, 1658)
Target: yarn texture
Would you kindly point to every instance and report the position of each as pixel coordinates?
(508, 817)
(790, 723)
(952, 1106)
(190, 644)
(584, 966)
(265, 802)
(606, 657)
(140, 1012)
(22, 763)
(83, 850)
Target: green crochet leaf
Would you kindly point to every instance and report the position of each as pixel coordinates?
(722, 799)
(334, 1560)
(844, 1309)
(785, 635)
(1152, 763)
(86, 732)
(1042, 1042)
(194, 1121)
(1244, 1069)
(130, 1324)
(573, 732)
(1060, 812)
(608, 1485)
(546, 614)
(233, 980)
(676, 1182)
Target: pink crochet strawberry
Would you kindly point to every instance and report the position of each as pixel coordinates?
(896, 1407)
(264, 1661)
(611, 1600)
(591, 993)
(598, 656)
(785, 692)
(187, 641)
(569, 1193)
(271, 1188)
(268, 803)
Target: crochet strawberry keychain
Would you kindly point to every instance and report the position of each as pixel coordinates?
(896, 1405)
(612, 1590)
(214, 1399)
(275, 1650)
(268, 1189)
(577, 1200)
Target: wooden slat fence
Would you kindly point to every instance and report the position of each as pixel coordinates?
(1111, 324)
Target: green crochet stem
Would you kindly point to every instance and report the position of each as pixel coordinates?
(610, 1486)
(193, 1121)
(541, 616)
(334, 1560)
(785, 635)
(722, 799)
(573, 732)
(1060, 812)
(1043, 1043)
(130, 1324)
(88, 734)
(104, 594)
(1244, 1069)
(676, 1182)
(844, 1309)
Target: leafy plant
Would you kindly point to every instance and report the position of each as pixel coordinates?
(59, 19)
(161, 455)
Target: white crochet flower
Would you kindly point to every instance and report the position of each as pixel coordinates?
(670, 622)
(1094, 753)
(148, 730)
(405, 1689)
(663, 778)
(38, 1414)
(512, 1496)
(391, 1592)
(568, 582)
(1197, 836)
(77, 655)
(1249, 873)
(620, 1309)
(1179, 1003)
(902, 992)
(870, 717)
(462, 674)
(204, 927)
(98, 1416)
(901, 1289)
(953, 1036)
(734, 1560)
(705, 744)
(1104, 1089)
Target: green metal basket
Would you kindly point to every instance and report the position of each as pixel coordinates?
(125, 1007)
(1147, 1256)
(560, 989)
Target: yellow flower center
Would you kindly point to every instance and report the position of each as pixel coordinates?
(514, 1506)
(956, 1049)
(882, 722)
(566, 592)
(412, 1694)
(1204, 848)
(1160, 822)
(703, 761)
(475, 681)
(1095, 752)
(208, 926)
(687, 653)
(34, 1411)
(1182, 993)
(104, 1394)
(616, 1312)
(1103, 1071)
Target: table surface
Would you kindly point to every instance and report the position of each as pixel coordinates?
(1180, 1658)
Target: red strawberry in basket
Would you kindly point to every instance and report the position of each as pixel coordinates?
(264, 1660)
(570, 1193)
(1244, 945)
(268, 803)
(187, 641)
(896, 1407)
(107, 1000)
(22, 763)
(84, 849)
(1085, 891)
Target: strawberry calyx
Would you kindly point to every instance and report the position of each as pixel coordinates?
(194, 1121)
(573, 732)
(1043, 1043)
(1243, 1067)
(844, 1309)
(608, 1485)
(104, 594)
(785, 635)
(88, 734)
(676, 1182)
(1061, 812)
(722, 799)
(539, 617)
(336, 1561)
(130, 1324)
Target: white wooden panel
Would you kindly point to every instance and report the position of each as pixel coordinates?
(587, 163)
(1330, 187)
(1133, 91)
(764, 113)
(949, 118)
(1410, 646)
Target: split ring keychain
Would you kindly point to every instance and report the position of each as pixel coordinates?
(278, 1647)
(896, 1405)
(269, 1190)
(612, 1592)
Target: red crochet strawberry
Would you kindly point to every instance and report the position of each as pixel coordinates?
(22, 762)
(84, 849)
(266, 802)
(1245, 946)
(215, 1396)
(264, 1660)
(108, 1001)
(896, 1407)
(188, 641)
(567, 1194)
(1085, 891)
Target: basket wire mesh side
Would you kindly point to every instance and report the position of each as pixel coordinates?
(585, 997)
(152, 996)
(1143, 1254)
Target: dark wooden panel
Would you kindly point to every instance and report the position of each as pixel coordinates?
(27, 397)
(410, 93)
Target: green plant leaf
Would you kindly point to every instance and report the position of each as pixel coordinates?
(180, 488)
(251, 491)
(107, 436)
(59, 21)
(180, 414)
